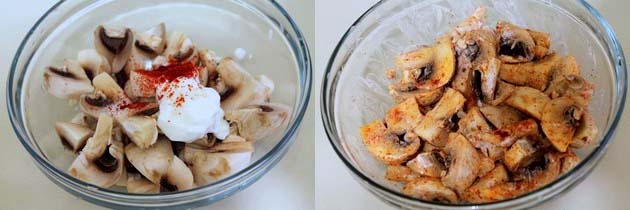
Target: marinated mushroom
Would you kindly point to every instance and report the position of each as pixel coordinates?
(141, 130)
(433, 122)
(110, 99)
(152, 162)
(68, 82)
(512, 132)
(428, 164)
(517, 45)
(528, 100)
(423, 97)
(520, 154)
(73, 135)
(403, 117)
(497, 176)
(427, 68)
(535, 74)
(560, 119)
(387, 146)
(500, 116)
(586, 132)
(400, 173)
(569, 161)
(115, 44)
(464, 161)
(256, 122)
(573, 86)
(430, 189)
(243, 88)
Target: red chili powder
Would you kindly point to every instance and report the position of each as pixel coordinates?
(151, 79)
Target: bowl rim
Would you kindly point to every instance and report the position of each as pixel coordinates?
(327, 116)
(300, 54)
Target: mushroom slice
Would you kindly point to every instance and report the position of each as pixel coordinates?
(142, 130)
(208, 76)
(210, 166)
(178, 177)
(423, 97)
(521, 154)
(97, 144)
(477, 66)
(115, 44)
(512, 132)
(535, 74)
(528, 100)
(542, 41)
(68, 82)
(104, 171)
(108, 86)
(256, 122)
(400, 173)
(502, 91)
(243, 88)
(93, 63)
(430, 189)
(488, 144)
(73, 135)
(486, 165)
(427, 164)
(110, 99)
(180, 48)
(516, 45)
(569, 161)
(403, 117)
(485, 80)
(473, 122)
(497, 176)
(586, 132)
(84, 120)
(428, 68)
(573, 86)
(560, 119)
(153, 162)
(464, 163)
(388, 147)
(138, 184)
(433, 122)
(501, 115)
(153, 41)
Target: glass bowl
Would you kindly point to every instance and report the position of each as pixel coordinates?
(272, 43)
(355, 86)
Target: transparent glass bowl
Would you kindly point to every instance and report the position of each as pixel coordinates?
(355, 86)
(273, 44)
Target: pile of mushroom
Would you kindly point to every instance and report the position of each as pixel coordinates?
(116, 139)
(483, 115)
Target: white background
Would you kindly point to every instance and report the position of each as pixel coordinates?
(608, 187)
(22, 186)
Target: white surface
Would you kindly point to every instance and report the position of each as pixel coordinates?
(22, 186)
(606, 188)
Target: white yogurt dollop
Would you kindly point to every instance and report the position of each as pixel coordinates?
(189, 111)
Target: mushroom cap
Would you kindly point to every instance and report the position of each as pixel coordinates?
(152, 41)
(178, 177)
(528, 100)
(243, 88)
(103, 171)
(404, 117)
(428, 68)
(115, 44)
(142, 130)
(93, 63)
(97, 144)
(560, 120)
(433, 122)
(136, 183)
(516, 45)
(430, 189)
(464, 163)
(152, 162)
(256, 122)
(73, 135)
(180, 48)
(68, 82)
(388, 147)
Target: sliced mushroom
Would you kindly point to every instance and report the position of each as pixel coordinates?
(430, 189)
(464, 163)
(560, 120)
(243, 88)
(521, 154)
(208, 75)
(487, 82)
(256, 122)
(97, 144)
(178, 177)
(428, 68)
(388, 147)
(573, 86)
(486, 164)
(84, 120)
(206, 141)
(512, 132)
(153, 162)
(73, 135)
(110, 99)
(210, 166)
(181, 48)
(115, 44)
(108, 86)
(473, 122)
(68, 82)
(403, 117)
(423, 97)
(141, 130)
(433, 123)
(427, 164)
(152, 41)
(497, 176)
(500, 116)
(138, 184)
(400, 173)
(535, 74)
(93, 63)
(517, 45)
(586, 132)
(502, 92)
(528, 100)
(569, 161)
